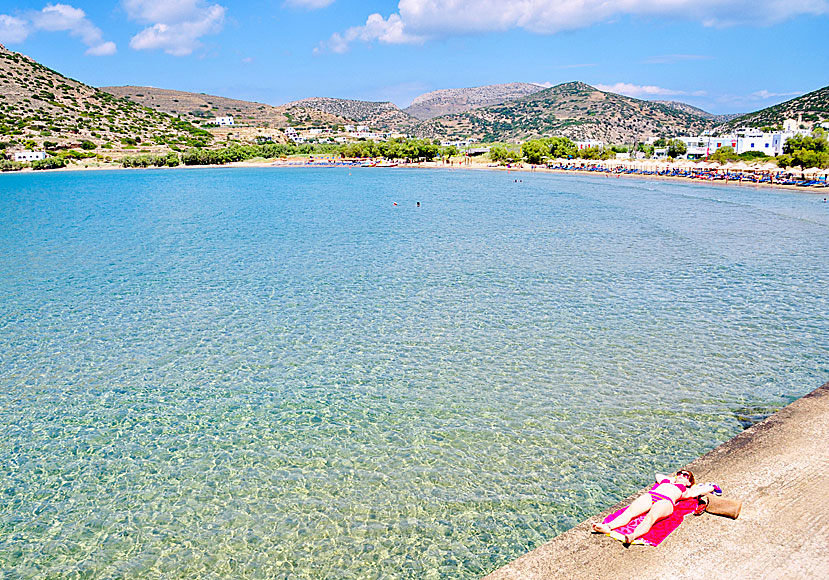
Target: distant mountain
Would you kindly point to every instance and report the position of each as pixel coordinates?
(685, 107)
(42, 106)
(450, 101)
(575, 110)
(378, 115)
(811, 108)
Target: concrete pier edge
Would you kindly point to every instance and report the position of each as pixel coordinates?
(778, 467)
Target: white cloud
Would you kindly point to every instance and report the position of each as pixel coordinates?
(418, 20)
(309, 4)
(639, 91)
(176, 25)
(56, 18)
(167, 12)
(389, 31)
(13, 30)
(103, 49)
(65, 18)
(764, 94)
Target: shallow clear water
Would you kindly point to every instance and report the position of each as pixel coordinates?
(280, 374)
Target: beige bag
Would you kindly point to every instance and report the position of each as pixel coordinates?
(721, 506)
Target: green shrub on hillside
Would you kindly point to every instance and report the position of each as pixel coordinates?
(169, 160)
(49, 163)
(6, 165)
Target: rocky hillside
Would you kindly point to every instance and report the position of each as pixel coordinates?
(42, 109)
(451, 101)
(201, 108)
(686, 108)
(377, 115)
(574, 110)
(812, 108)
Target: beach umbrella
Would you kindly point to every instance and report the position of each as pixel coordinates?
(812, 171)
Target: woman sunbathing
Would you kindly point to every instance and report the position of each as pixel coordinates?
(658, 503)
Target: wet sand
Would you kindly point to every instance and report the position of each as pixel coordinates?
(779, 468)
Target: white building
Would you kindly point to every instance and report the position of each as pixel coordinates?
(769, 143)
(588, 143)
(25, 156)
(746, 139)
(291, 133)
(224, 121)
(705, 145)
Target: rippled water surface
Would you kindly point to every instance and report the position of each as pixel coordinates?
(260, 373)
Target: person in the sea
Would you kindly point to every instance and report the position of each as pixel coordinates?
(658, 503)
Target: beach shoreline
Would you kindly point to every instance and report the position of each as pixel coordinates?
(460, 166)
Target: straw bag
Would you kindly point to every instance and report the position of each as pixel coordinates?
(722, 506)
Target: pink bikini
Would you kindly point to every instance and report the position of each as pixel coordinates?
(655, 497)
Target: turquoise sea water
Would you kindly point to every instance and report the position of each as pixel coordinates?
(270, 373)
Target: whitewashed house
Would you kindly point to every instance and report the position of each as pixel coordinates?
(26, 156)
(291, 133)
(705, 145)
(224, 121)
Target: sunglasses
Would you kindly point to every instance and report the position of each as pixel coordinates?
(684, 474)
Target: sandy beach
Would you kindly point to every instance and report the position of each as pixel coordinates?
(304, 162)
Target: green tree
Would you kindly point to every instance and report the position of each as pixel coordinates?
(806, 151)
(535, 151)
(596, 153)
(449, 151)
(676, 148)
(724, 155)
(498, 153)
(645, 148)
(49, 163)
(562, 147)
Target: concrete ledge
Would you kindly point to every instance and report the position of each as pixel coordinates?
(779, 468)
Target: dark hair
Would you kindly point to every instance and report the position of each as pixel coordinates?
(688, 473)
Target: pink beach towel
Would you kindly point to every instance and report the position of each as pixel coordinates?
(661, 529)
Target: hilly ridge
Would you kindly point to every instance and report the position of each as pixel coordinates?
(40, 108)
(380, 115)
(43, 107)
(812, 107)
(450, 101)
(574, 110)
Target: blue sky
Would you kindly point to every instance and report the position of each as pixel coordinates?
(725, 56)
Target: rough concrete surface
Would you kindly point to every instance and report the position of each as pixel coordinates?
(779, 468)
